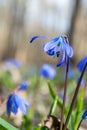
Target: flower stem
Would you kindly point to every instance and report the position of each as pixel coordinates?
(65, 90)
(79, 124)
(74, 97)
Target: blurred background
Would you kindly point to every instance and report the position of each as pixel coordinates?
(20, 20)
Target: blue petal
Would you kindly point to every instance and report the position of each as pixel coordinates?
(23, 86)
(21, 103)
(55, 39)
(62, 59)
(47, 71)
(50, 52)
(51, 45)
(82, 63)
(84, 116)
(9, 104)
(14, 107)
(36, 37)
(69, 50)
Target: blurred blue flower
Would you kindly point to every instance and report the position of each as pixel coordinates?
(61, 95)
(14, 102)
(82, 63)
(12, 63)
(57, 46)
(47, 71)
(84, 116)
(23, 86)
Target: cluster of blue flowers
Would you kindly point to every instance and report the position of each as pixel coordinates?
(57, 47)
(60, 47)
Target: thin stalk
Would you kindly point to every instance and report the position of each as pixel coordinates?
(65, 91)
(53, 107)
(79, 124)
(74, 97)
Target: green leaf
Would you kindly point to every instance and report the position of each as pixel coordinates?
(54, 96)
(37, 127)
(44, 128)
(6, 126)
(71, 124)
(53, 107)
(79, 108)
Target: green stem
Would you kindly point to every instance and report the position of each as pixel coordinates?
(65, 91)
(74, 97)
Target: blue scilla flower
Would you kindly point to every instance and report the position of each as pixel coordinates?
(14, 102)
(12, 63)
(47, 71)
(23, 86)
(84, 116)
(57, 46)
(82, 63)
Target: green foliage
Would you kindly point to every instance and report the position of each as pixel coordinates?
(53, 107)
(71, 123)
(6, 126)
(27, 120)
(54, 96)
(79, 108)
(6, 80)
(37, 127)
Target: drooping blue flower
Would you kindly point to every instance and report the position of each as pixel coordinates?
(58, 46)
(12, 63)
(84, 116)
(47, 71)
(14, 102)
(81, 64)
(23, 86)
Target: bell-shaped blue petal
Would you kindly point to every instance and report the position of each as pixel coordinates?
(36, 37)
(14, 102)
(50, 52)
(14, 107)
(47, 71)
(82, 63)
(69, 50)
(23, 86)
(62, 59)
(9, 104)
(22, 104)
(53, 47)
(84, 116)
